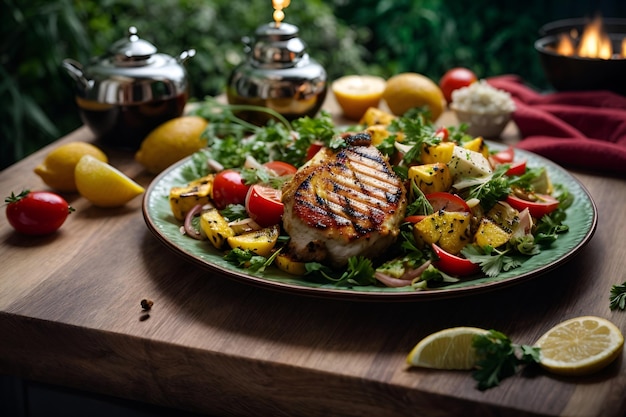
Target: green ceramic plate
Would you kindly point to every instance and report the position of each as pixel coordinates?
(581, 218)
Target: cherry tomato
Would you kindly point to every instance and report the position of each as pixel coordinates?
(452, 264)
(36, 212)
(416, 218)
(229, 188)
(447, 202)
(264, 206)
(455, 79)
(545, 204)
(313, 149)
(280, 168)
(504, 157)
(517, 168)
(442, 133)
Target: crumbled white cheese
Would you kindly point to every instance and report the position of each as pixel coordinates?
(466, 164)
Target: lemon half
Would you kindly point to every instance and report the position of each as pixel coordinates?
(357, 93)
(580, 346)
(446, 349)
(103, 185)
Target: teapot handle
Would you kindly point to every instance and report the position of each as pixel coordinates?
(75, 70)
(186, 55)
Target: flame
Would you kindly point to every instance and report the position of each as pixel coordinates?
(278, 6)
(593, 43)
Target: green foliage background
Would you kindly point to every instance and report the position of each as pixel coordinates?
(347, 36)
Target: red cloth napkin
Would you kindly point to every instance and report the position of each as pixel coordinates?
(582, 129)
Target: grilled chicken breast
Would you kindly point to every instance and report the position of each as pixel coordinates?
(343, 203)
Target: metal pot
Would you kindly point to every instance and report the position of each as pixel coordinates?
(279, 74)
(567, 73)
(126, 93)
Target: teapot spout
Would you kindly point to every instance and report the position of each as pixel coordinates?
(75, 70)
(186, 55)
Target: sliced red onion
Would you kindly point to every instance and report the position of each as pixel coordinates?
(189, 229)
(414, 273)
(214, 165)
(391, 281)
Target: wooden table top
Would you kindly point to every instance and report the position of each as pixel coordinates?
(70, 315)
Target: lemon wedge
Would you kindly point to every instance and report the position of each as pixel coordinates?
(446, 349)
(57, 168)
(580, 346)
(103, 185)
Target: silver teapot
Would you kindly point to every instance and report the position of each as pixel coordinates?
(123, 95)
(279, 74)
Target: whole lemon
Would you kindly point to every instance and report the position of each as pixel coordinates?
(57, 169)
(408, 90)
(171, 142)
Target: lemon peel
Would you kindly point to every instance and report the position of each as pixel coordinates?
(104, 185)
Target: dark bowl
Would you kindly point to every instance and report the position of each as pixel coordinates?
(572, 73)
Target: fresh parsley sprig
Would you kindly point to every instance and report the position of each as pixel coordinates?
(499, 358)
(492, 261)
(618, 297)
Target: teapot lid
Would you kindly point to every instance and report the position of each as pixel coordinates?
(131, 51)
(277, 45)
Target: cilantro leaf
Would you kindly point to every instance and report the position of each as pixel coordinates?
(491, 261)
(618, 297)
(499, 358)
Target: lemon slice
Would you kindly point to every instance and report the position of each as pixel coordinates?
(446, 349)
(580, 346)
(57, 169)
(357, 93)
(103, 185)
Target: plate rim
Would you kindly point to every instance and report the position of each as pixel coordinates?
(359, 295)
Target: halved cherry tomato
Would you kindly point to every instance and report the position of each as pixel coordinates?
(545, 204)
(517, 168)
(447, 202)
(442, 133)
(281, 168)
(314, 148)
(263, 205)
(452, 264)
(504, 157)
(36, 212)
(416, 218)
(229, 188)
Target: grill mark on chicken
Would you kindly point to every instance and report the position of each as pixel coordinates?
(343, 203)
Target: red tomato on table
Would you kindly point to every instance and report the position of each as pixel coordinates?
(454, 79)
(36, 212)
